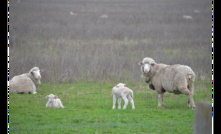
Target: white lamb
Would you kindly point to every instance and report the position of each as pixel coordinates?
(26, 83)
(53, 101)
(121, 92)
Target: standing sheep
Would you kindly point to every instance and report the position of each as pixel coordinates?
(26, 83)
(53, 101)
(119, 92)
(177, 79)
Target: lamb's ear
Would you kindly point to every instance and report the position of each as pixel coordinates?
(140, 63)
(41, 70)
(55, 96)
(46, 96)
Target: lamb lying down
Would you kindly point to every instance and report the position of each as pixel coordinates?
(121, 92)
(53, 101)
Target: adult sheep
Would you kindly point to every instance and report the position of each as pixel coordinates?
(26, 83)
(177, 79)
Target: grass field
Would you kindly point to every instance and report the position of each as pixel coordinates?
(88, 111)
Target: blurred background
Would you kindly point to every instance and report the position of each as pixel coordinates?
(103, 40)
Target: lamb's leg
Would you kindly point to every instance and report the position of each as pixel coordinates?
(60, 104)
(114, 101)
(160, 99)
(131, 101)
(119, 103)
(126, 102)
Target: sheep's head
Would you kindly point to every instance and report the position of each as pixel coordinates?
(146, 64)
(36, 73)
(120, 85)
(51, 96)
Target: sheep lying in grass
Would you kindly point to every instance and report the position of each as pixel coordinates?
(121, 92)
(53, 101)
(177, 79)
(26, 83)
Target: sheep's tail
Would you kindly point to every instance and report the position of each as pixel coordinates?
(190, 80)
(132, 93)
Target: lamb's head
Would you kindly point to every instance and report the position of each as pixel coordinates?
(36, 73)
(51, 96)
(146, 64)
(120, 85)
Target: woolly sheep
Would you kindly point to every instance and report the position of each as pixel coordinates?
(53, 101)
(121, 92)
(26, 83)
(177, 79)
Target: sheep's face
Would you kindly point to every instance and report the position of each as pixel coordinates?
(37, 73)
(145, 67)
(51, 96)
(120, 85)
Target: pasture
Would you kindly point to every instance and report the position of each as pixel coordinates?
(88, 110)
(88, 46)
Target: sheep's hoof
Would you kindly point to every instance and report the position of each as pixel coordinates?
(35, 92)
(188, 105)
(160, 105)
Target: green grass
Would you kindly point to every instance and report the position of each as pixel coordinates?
(88, 111)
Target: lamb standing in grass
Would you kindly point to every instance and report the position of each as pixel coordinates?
(177, 79)
(119, 92)
(53, 101)
(26, 83)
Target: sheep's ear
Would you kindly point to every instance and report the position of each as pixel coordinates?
(32, 73)
(55, 96)
(140, 63)
(152, 64)
(46, 96)
(41, 70)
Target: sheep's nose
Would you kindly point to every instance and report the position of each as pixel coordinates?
(146, 70)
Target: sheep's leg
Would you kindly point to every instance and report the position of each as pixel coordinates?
(131, 101)
(190, 96)
(126, 102)
(34, 89)
(119, 103)
(114, 101)
(191, 100)
(188, 103)
(160, 99)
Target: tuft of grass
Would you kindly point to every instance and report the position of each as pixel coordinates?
(88, 110)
